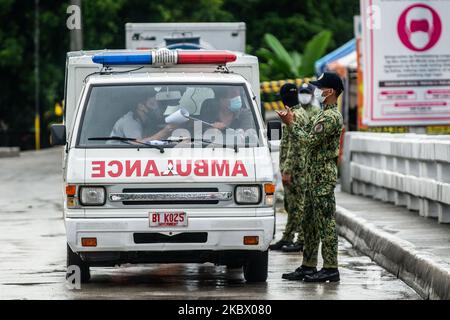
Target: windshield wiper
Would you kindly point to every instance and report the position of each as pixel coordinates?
(224, 145)
(203, 141)
(207, 142)
(128, 141)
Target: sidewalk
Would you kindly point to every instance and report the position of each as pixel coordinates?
(414, 248)
(6, 152)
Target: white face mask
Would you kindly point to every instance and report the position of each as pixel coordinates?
(304, 98)
(318, 95)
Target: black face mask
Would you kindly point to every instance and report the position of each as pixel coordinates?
(289, 94)
(290, 100)
(154, 121)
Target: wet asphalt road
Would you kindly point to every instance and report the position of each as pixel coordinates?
(32, 255)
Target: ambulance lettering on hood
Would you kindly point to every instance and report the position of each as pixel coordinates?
(182, 168)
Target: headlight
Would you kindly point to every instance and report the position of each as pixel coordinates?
(92, 196)
(248, 194)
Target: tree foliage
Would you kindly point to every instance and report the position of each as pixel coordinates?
(293, 23)
(279, 63)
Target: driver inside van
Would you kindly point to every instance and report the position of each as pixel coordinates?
(145, 122)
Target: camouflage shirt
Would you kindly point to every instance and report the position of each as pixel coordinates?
(285, 144)
(320, 140)
(295, 159)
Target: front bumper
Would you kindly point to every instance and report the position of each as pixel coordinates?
(118, 234)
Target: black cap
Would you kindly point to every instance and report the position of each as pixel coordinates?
(289, 94)
(329, 80)
(306, 88)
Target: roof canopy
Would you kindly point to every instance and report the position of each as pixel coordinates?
(345, 56)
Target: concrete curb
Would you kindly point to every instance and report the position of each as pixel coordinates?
(6, 152)
(420, 271)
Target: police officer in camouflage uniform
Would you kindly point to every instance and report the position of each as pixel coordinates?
(295, 164)
(289, 97)
(322, 144)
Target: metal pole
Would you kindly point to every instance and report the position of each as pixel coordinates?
(76, 34)
(37, 122)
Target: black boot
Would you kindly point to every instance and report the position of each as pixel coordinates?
(299, 273)
(295, 247)
(324, 275)
(278, 245)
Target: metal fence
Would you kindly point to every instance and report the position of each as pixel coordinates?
(409, 170)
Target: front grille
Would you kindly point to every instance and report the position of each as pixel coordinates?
(186, 237)
(169, 190)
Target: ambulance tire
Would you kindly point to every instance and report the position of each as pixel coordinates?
(256, 268)
(74, 259)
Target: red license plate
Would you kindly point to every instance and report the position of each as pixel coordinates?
(168, 219)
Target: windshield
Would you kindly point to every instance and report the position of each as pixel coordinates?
(168, 114)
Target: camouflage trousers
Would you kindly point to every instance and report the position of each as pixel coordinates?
(319, 224)
(293, 204)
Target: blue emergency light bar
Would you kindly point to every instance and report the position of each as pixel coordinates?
(123, 58)
(165, 57)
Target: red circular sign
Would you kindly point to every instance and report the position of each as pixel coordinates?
(419, 27)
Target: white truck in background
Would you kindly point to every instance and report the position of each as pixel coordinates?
(198, 35)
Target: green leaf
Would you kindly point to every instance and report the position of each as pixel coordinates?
(283, 60)
(265, 54)
(296, 59)
(314, 50)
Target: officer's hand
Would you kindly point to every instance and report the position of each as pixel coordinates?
(287, 116)
(281, 113)
(286, 179)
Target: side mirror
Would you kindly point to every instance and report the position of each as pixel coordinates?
(274, 145)
(274, 130)
(58, 135)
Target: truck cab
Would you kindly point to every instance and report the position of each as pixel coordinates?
(166, 160)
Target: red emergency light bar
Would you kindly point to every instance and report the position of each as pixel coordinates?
(205, 57)
(166, 57)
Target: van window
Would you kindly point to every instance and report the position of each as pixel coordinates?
(161, 113)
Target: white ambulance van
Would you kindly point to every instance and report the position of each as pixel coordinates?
(166, 160)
